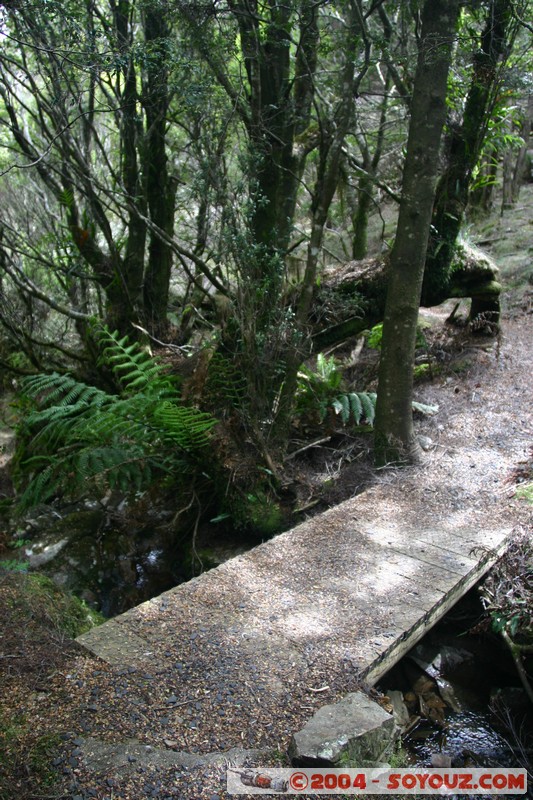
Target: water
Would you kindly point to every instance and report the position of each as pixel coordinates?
(470, 738)
(463, 685)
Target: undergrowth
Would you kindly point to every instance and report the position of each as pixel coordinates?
(322, 391)
(75, 439)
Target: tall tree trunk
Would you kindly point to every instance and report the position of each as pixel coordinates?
(330, 158)
(521, 161)
(160, 184)
(465, 146)
(394, 437)
(277, 112)
(130, 136)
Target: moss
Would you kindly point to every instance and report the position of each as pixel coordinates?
(526, 492)
(39, 598)
(424, 372)
(26, 759)
(264, 514)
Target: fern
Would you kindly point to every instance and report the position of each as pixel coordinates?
(225, 385)
(319, 390)
(79, 438)
(134, 368)
(355, 406)
(185, 426)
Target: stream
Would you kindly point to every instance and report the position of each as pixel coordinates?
(459, 697)
(457, 692)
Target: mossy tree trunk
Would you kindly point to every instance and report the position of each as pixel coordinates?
(160, 184)
(330, 157)
(465, 145)
(394, 436)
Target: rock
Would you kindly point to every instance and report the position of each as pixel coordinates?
(425, 442)
(399, 709)
(442, 760)
(132, 756)
(356, 729)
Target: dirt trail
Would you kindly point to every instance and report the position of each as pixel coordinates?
(216, 677)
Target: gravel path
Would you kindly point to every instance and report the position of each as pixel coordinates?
(168, 721)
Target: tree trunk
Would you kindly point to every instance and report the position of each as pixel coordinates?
(464, 148)
(520, 172)
(330, 154)
(130, 136)
(365, 189)
(160, 185)
(394, 436)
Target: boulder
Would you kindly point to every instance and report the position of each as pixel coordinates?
(355, 731)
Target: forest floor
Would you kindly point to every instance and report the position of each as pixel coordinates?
(483, 387)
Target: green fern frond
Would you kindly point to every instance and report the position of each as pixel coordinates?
(328, 371)
(188, 427)
(341, 405)
(225, 385)
(368, 401)
(80, 438)
(40, 489)
(356, 407)
(117, 467)
(54, 389)
(134, 367)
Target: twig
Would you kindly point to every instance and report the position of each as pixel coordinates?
(515, 652)
(307, 447)
(158, 341)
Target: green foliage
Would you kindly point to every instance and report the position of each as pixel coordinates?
(526, 492)
(376, 334)
(225, 385)
(321, 390)
(13, 565)
(356, 406)
(133, 366)
(79, 439)
(507, 593)
(256, 510)
(321, 382)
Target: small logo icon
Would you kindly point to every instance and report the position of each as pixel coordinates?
(299, 781)
(261, 780)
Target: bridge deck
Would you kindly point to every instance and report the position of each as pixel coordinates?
(243, 655)
(342, 587)
(338, 599)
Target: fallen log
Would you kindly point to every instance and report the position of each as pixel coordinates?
(351, 297)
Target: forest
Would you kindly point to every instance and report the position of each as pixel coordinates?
(209, 209)
(244, 244)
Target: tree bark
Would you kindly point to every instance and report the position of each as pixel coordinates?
(160, 184)
(464, 147)
(330, 153)
(394, 436)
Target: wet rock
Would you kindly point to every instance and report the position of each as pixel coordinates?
(441, 760)
(400, 711)
(442, 660)
(356, 728)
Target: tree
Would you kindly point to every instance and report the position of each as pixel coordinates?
(464, 146)
(394, 436)
(85, 100)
